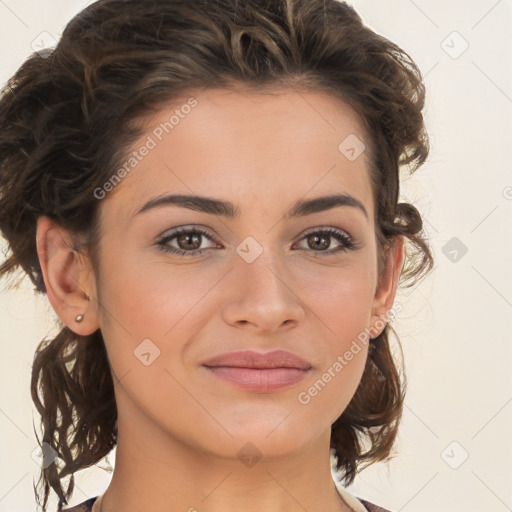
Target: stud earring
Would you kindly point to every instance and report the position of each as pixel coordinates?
(79, 318)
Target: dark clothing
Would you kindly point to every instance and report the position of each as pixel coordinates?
(371, 507)
(85, 506)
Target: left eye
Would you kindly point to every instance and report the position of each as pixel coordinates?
(188, 241)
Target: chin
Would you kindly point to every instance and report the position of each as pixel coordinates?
(249, 448)
(271, 432)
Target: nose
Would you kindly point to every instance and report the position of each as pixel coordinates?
(262, 296)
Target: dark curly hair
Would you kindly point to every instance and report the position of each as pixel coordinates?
(68, 116)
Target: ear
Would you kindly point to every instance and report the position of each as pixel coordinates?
(68, 277)
(387, 285)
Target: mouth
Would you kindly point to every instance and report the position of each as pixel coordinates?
(253, 371)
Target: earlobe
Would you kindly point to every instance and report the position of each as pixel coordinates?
(67, 277)
(388, 284)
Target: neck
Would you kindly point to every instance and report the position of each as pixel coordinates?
(159, 473)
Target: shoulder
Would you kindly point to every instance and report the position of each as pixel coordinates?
(371, 507)
(85, 506)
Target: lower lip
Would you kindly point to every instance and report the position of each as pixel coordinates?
(259, 379)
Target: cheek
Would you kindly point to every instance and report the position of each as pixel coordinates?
(346, 302)
(149, 300)
(145, 296)
(327, 394)
(343, 306)
(340, 297)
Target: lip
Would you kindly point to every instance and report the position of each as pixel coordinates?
(261, 372)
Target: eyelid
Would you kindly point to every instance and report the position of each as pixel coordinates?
(317, 229)
(208, 232)
(185, 227)
(189, 228)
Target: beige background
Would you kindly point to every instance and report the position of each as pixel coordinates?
(455, 327)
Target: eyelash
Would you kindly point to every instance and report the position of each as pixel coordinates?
(347, 243)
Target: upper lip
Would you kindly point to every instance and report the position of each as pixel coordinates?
(252, 359)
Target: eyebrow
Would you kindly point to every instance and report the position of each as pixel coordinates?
(226, 209)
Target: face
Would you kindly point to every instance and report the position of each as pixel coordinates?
(193, 293)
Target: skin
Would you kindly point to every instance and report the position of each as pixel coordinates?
(180, 428)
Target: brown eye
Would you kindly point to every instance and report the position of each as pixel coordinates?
(321, 240)
(187, 241)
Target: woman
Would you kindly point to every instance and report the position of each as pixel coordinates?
(207, 192)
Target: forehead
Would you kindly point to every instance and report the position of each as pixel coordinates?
(274, 145)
